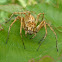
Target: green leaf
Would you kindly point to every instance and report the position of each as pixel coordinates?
(23, 3)
(3, 17)
(14, 50)
(11, 8)
(3, 1)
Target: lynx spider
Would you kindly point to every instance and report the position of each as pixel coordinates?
(28, 23)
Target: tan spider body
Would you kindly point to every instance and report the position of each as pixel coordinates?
(29, 24)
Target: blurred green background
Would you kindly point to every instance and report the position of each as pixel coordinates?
(13, 51)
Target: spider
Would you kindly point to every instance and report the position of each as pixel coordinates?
(29, 24)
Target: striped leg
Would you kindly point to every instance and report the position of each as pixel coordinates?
(54, 34)
(39, 16)
(10, 27)
(44, 36)
(15, 13)
(21, 30)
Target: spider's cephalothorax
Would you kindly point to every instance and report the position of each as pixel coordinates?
(30, 27)
(29, 24)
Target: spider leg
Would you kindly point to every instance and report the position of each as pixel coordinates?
(17, 13)
(45, 33)
(10, 27)
(40, 26)
(44, 36)
(21, 31)
(54, 34)
(33, 36)
(39, 16)
(26, 33)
